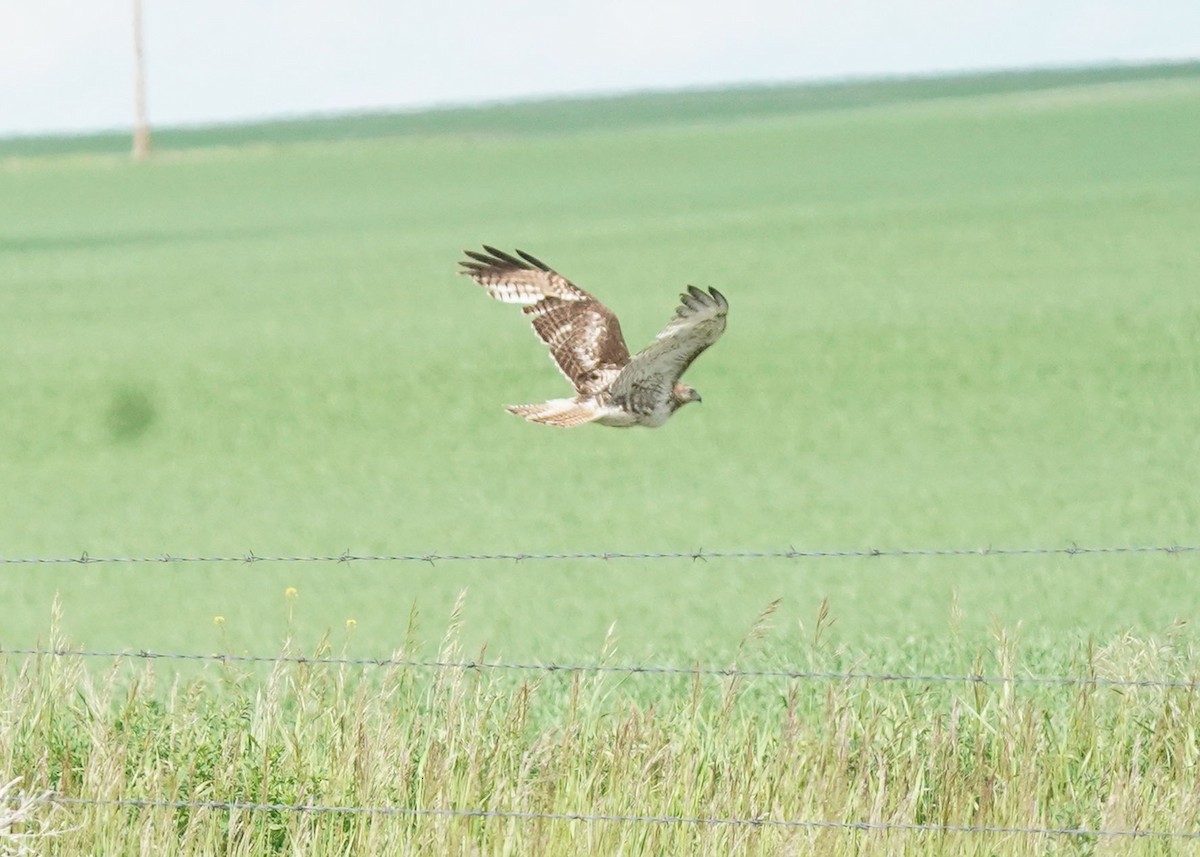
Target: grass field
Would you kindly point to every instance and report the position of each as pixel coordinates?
(964, 313)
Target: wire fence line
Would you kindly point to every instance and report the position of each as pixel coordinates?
(697, 555)
(623, 669)
(631, 669)
(531, 815)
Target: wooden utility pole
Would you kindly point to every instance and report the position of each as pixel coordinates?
(141, 125)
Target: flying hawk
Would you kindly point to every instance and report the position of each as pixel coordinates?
(611, 388)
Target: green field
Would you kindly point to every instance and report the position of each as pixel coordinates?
(964, 313)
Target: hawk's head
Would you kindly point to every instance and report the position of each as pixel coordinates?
(685, 394)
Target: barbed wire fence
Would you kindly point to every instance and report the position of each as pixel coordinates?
(597, 668)
(622, 669)
(790, 553)
(609, 818)
(700, 554)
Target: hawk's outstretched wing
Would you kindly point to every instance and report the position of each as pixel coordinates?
(584, 336)
(654, 371)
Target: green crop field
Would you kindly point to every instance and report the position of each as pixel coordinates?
(965, 313)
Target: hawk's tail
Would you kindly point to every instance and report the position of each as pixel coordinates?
(564, 413)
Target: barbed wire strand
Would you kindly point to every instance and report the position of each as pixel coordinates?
(696, 555)
(630, 669)
(764, 821)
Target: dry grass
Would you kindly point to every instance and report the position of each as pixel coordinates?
(882, 753)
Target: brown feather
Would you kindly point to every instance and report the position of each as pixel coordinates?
(583, 335)
(554, 414)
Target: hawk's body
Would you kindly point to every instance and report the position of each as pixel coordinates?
(611, 387)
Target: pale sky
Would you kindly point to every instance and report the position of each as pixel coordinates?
(66, 65)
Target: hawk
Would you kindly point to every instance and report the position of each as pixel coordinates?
(611, 388)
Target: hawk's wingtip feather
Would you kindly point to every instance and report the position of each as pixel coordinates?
(505, 258)
(533, 260)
